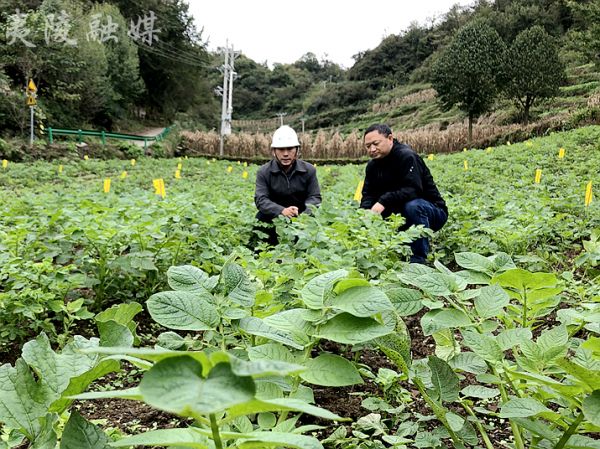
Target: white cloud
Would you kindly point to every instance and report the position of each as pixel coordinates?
(281, 31)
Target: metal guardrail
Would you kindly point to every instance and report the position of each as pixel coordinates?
(105, 135)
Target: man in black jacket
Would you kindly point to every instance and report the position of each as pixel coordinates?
(397, 181)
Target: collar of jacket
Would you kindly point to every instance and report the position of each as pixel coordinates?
(298, 166)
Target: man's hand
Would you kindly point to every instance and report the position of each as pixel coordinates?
(377, 208)
(290, 212)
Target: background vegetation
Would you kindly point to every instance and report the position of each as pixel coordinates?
(414, 80)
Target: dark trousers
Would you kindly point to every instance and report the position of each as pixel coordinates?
(266, 226)
(422, 212)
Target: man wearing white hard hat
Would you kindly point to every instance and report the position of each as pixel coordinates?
(286, 185)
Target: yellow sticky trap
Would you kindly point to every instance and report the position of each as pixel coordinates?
(107, 185)
(229, 169)
(133, 162)
(466, 164)
(588, 194)
(179, 166)
(488, 149)
(207, 162)
(561, 153)
(245, 164)
(528, 144)
(4, 163)
(245, 174)
(85, 157)
(214, 159)
(186, 156)
(430, 157)
(124, 174)
(177, 174)
(315, 164)
(464, 150)
(239, 162)
(358, 191)
(162, 193)
(508, 142)
(538, 176)
(60, 168)
(159, 187)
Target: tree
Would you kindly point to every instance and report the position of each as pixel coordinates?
(466, 74)
(532, 69)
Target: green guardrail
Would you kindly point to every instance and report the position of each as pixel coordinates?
(80, 133)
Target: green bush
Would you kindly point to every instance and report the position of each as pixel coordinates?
(130, 150)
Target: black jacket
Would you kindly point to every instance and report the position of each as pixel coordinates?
(276, 190)
(398, 178)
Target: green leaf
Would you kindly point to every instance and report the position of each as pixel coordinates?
(349, 329)
(263, 368)
(121, 313)
(56, 370)
(46, 437)
(437, 284)
(81, 434)
(314, 292)
(189, 437)
(331, 371)
(271, 351)
(553, 343)
(406, 301)
(265, 440)
(291, 321)
(468, 362)
(539, 428)
(187, 278)
(237, 285)
(256, 326)
(170, 340)
(455, 422)
(509, 338)
(446, 345)
(475, 262)
(114, 334)
(445, 381)
(491, 301)
(183, 310)
(591, 408)
(522, 408)
(478, 391)
(23, 400)
(520, 280)
(483, 345)
(266, 420)
(436, 320)
(582, 442)
(362, 301)
(280, 405)
(176, 385)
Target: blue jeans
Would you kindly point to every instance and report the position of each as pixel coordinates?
(422, 212)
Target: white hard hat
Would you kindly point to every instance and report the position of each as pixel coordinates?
(285, 137)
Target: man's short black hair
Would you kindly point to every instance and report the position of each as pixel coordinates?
(381, 128)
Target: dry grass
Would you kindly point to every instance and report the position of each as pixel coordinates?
(421, 96)
(332, 145)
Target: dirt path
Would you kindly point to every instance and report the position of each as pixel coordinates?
(150, 132)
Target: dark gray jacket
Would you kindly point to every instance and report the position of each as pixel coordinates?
(276, 190)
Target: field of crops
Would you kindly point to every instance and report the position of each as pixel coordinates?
(116, 287)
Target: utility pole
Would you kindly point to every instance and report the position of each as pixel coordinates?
(281, 115)
(229, 74)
